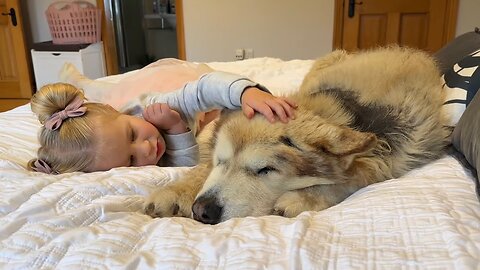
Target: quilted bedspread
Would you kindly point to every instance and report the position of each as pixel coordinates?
(429, 218)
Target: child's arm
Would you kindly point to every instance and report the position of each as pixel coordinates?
(181, 146)
(218, 90)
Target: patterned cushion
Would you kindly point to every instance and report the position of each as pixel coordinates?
(458, 48)
(461, 83)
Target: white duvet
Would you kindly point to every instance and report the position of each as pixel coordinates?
(429, 218)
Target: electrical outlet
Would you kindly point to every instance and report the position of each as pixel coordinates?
(248, 53)
(239, 54)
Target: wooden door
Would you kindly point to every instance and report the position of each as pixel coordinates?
(424, 24)
(15, 74)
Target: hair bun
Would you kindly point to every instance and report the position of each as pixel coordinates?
(52, 98)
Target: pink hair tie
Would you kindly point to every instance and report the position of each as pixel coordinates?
(41, 166)
(73, 109)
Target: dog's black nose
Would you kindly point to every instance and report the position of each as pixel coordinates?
(207, 210)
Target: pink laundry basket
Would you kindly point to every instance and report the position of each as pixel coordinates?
(75, 22)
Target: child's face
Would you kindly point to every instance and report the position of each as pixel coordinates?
(127, 141)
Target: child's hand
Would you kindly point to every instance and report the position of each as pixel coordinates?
(256, 100)
(164, 118)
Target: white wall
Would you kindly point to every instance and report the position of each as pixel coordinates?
(277, 28)
(285, 29)
(38, 20)
(468, 16)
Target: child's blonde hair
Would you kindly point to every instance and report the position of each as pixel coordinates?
(71, 147)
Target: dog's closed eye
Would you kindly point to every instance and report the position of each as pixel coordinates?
(219, 161)
(265, 170)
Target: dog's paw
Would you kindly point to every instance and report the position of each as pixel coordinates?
(292, 203)
(168, 202)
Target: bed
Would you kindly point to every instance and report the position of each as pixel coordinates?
(429, 218)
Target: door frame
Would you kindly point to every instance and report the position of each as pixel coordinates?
(108, 35)
(448, 31)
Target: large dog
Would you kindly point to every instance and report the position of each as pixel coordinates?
(362, 118)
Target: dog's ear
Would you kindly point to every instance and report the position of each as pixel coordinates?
(343, 141)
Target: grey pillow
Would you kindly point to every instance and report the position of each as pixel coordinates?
(451, 58)
(466, 135)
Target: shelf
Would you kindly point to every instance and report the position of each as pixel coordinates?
(166, 16)
(161, 21)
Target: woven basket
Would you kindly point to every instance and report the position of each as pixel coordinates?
(77, 22)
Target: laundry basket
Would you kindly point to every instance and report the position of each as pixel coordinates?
(75, 22)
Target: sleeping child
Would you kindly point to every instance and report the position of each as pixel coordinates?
(151, 129)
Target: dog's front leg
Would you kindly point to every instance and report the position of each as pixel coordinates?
(314, 198)
(176, 198)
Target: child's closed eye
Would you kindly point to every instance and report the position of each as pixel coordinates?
(132, 135)
(132, 161)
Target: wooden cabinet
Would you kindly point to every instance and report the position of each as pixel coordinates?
(89, 61)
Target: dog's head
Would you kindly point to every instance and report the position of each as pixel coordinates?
(254, 162)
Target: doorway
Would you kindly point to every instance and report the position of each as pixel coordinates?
(136, 33)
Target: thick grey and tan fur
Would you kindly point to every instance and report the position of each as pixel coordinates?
(362, 118)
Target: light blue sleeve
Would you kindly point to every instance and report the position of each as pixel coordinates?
(215, 90)
(181, 150)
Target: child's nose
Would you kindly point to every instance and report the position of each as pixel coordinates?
(145, 148)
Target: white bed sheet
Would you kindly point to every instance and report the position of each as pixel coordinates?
(430, 218)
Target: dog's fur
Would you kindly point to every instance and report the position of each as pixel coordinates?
(362, 118)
